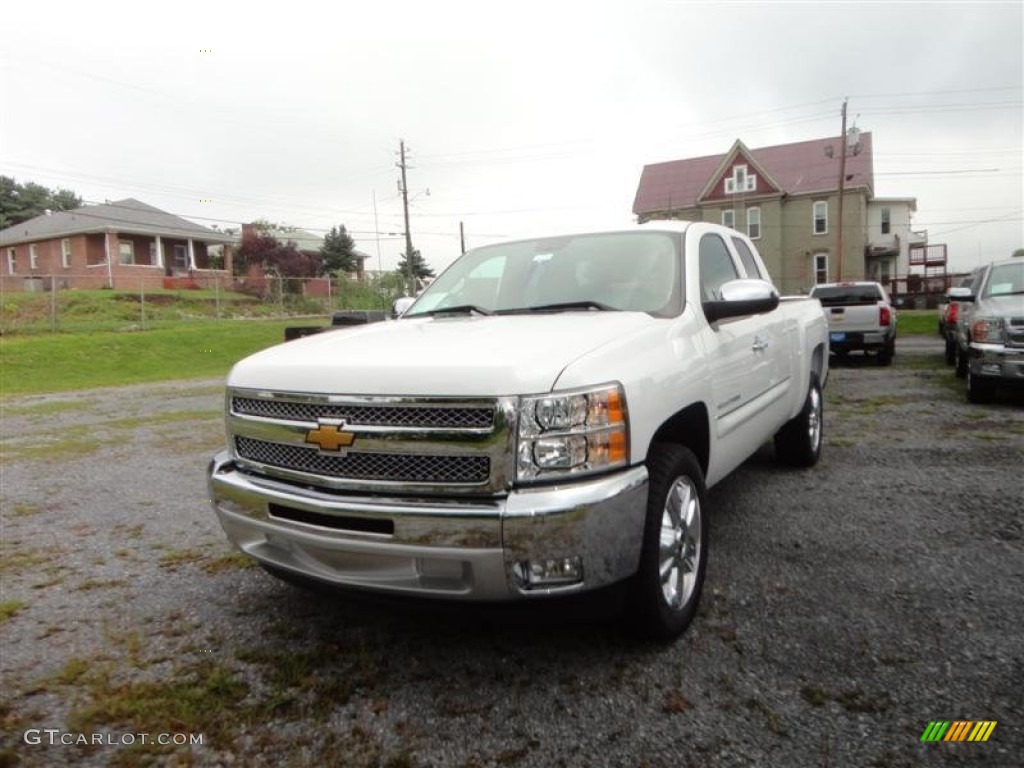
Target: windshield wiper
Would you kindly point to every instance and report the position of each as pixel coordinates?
(564, 306)
(465, 309)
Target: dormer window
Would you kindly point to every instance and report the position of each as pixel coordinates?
(740, 181)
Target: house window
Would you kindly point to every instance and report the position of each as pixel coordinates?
(126, 252)
(33, 257)
(886, 221)
(729, 218)
(753, 223)
(12, 261)
(740, 181)
(820, 268)
(65, 252)
(821, 218)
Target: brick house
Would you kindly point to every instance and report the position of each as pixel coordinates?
(786, 198)
(124, 244)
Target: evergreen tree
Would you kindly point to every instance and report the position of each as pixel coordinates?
(338, 252)
(420, 269)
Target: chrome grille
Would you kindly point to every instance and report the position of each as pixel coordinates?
(408, 468)
(429, 417)
(1015, 331)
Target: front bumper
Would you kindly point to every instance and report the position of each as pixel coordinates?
(997, 362)
(446, 548)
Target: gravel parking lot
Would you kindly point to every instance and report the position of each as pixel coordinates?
(845, 608)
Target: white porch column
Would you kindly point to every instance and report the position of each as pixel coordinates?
(159, 252)
(106, 252)
(191, 256)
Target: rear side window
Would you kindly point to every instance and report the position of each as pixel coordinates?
(835, 295)
(749, 262)
(716, 267)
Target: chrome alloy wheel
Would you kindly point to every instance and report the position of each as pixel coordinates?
(814, 418)
(680, 548)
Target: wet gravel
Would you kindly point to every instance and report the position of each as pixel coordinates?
(845, 608)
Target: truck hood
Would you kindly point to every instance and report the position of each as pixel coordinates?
(456, 356)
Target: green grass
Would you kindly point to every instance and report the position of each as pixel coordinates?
(10, 607)
(62, 362)
(918, 322)
(78, 310)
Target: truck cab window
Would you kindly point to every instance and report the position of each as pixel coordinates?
(716, 267)
(749, 263)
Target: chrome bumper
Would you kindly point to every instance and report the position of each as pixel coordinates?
(997, 362)
(449, 548)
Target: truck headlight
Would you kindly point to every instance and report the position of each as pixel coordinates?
(566, 433)
(987, 331)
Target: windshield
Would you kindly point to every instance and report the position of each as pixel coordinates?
(631, 271)
(1005, 280)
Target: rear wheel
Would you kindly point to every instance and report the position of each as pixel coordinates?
(885, 353)
(798, 443)
(666, 589)
(950, 351)
(961, 362)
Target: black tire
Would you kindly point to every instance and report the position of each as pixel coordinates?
(950, 351)
(979, 390)
(676, 539)
(799, 442)
(885, 353)
(961, 362)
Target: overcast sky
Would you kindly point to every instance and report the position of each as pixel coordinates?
(520, 118)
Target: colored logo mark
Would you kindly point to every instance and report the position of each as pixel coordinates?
(958, 730)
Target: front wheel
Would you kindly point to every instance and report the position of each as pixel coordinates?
(667, 587)
(798, 443)
(979, 390)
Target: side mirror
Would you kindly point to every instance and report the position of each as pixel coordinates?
(401, 306)
(740, 298)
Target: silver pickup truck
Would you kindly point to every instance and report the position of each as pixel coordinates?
(860, 317)
(990, 331)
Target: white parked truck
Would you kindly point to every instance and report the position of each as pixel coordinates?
(544, 420)
(860, 317)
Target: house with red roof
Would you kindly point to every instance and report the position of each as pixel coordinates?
(123, 244)
(786, 199)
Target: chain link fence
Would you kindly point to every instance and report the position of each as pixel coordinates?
(50, 304)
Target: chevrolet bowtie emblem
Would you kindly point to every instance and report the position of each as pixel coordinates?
(328, 437)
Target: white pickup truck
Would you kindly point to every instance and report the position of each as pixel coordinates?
(860, 317)
(544, 420)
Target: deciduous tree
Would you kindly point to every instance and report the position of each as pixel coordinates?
(21, 202)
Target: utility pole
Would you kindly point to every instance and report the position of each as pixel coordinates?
(462, 238)
(842, 184)
(405, 208)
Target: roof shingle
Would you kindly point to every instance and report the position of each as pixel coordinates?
(128, 215)
(800, 168)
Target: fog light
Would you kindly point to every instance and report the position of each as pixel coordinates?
(552, 572)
